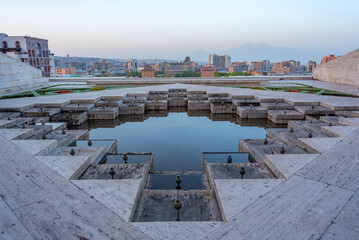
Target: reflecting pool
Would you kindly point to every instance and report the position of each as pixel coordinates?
(177, 139)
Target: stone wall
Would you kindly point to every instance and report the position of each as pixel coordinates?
(16, 75)
(344, 69)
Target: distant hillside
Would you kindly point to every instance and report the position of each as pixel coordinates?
(258, 51)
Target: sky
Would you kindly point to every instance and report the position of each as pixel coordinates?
(173, 29)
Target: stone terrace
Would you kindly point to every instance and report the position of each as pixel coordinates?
(315, 195)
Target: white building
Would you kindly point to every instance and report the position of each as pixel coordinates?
(34, 51)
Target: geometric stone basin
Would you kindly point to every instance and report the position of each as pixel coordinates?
(158, 205)
(122, 171)
(110, 144)
(237, 157)
(167, 181)
(232, 171)
(118, 159)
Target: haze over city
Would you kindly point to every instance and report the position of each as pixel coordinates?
(173, 30)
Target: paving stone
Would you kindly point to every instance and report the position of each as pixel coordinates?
(117, 195)
(276, 106)
(338, 166)
(198, 104)
(284, 166)
(251, 112)
(132, 108)
(336, 232)
(70, 167)
(78, 107)
(317, 145)
(236, 194)
(156, 105)
(338, 131)
(103, 113)
(37, 112)
(349, 121)
(16, 134)
(10, 226)
(349, 216)
(51, 207)
(36, 147)
(298, 205)
(314, 110)
(222, 108)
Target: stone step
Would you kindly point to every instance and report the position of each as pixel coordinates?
(70, 167)
(276, 106)
(40, 112)
(317, 145)
(156, 105)
(108, 103)
(284, 166)
(78, 107)
(36, 147)
(63, 140)
(222, 108)
(314, 110)
(103, 113)
(71, 118)
(132, 108)
(16, 134)
(283, 116)
(258, 149)
(198, 105)
(338, 131)
(94, 153)
(251, 112)
(349, 121)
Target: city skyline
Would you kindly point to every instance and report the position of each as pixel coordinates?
(165, 30)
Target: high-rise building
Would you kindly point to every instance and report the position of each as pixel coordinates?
(311, 66)
(213, 59)
(266, 66)
(132, 64)
(34, 51)
(328, 58)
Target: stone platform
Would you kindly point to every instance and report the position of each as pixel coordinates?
(315, 197)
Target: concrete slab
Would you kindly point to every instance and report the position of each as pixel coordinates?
(336, 232)
(298, 205)
(117, 195)
(70, 167)
(103, 113)
(349, 216)
(314, 110)
(236, 194)
(338, 166)
(251, 112)
(37, 112)
(284, 166)
(36, 147)
(349, 121)
(135, 108)
(10, 225)
(16, 134)
(276, 106)
(338, 131)
(317, 145)
(78, 107)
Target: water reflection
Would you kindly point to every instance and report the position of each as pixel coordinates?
(177, 139)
